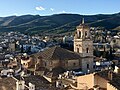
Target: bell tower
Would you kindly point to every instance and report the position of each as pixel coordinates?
(83, 45)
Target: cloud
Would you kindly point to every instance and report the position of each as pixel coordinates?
(62, 11)
(51, 9)
(16, 14)
(40, 8)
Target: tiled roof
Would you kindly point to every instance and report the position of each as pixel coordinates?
(7, 84)
(115, 78)
(55, 72)
(39, 82)
(58, 53)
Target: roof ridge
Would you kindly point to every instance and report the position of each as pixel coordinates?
(54, 48)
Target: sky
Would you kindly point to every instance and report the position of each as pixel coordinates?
(49, 7)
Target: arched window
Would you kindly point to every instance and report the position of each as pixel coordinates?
(79, 34)
(87, 50)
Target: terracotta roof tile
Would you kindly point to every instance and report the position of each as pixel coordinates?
(115, 78)
(58, 53)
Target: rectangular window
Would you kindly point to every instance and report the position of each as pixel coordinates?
(77, 50)
(85, 33)
(45, 64)
(87, 66)
(74, 64)
(87, 50)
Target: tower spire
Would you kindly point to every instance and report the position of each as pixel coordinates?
(83, 21)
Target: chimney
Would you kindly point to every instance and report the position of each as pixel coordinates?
(20, 85)
(110, 75)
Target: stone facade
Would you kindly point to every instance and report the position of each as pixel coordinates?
(58, 57)
(85, 81)
(83, 45)
(91, 80)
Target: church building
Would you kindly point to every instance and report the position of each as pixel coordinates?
(57, 57)
(83, 45)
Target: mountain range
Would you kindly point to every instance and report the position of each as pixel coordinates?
(57, 23)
